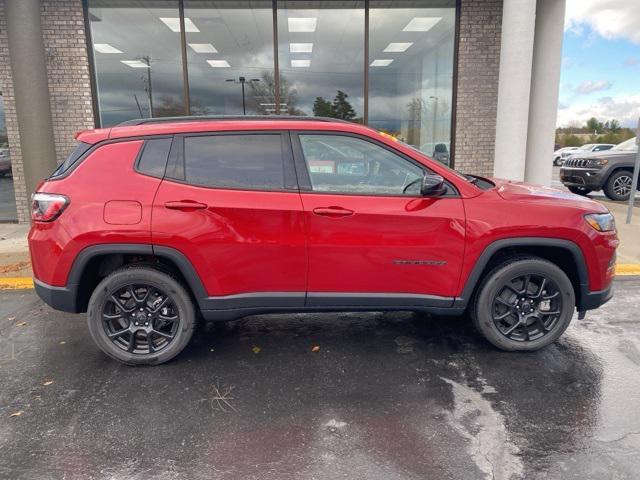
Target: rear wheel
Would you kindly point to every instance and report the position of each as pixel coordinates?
(618, 186)
(141, 316)
(580, 190)
(524, 304)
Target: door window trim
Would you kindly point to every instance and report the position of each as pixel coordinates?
(304, 179)
(176, 170)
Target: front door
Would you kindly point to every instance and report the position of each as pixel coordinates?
(372, 239)
(228, 204)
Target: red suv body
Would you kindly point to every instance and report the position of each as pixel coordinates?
(274, 215)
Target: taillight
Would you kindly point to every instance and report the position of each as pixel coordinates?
(46, 207)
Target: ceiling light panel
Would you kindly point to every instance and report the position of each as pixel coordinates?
(398, 47)
(135, 63)
(300, 47)
(381, 62)
(174, 24)
(218, 63)
(105, 48)
(421, 24)
(302, 24)
(300, 63)
(203, 48)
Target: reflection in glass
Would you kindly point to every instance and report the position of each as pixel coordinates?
(136, 49)
(230, 57)
(411, 72)
(321, 58)
(7, 195)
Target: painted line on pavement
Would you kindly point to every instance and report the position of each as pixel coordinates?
(628, 269)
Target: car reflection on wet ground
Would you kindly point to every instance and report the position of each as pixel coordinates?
(386, 395)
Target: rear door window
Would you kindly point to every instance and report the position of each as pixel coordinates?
(242, 161)
(80, 150)
(153, 159)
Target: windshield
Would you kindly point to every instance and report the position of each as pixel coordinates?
(628, 145)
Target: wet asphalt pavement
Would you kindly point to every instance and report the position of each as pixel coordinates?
(388, 396)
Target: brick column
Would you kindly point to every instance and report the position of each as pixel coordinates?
(477, 87)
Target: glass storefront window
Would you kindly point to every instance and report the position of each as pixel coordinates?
(411, 51)
(8, 211)
(230, 57)
(321, 58)
(137, 57)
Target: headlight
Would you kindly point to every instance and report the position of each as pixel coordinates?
(602, 222)
(598, 162)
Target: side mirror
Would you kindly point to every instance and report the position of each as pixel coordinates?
(433, 185)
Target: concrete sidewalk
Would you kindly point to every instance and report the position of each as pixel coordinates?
(15, 264)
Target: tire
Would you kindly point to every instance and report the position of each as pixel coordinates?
(531, 334)
(580, 191)
(618, 185)
(158, 321)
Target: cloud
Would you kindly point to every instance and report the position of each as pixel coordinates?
(589, 86)
(611, 19)
(625, 109)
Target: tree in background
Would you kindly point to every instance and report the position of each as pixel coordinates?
(263, 96)
(594, 126)
(341, 107)
(322, 108)
(593, 131)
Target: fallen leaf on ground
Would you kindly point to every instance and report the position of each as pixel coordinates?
(21, 324)
(315, 348)
(11, 319)
(62, 342)
(47, 383)
(256, 349)
(16, 414)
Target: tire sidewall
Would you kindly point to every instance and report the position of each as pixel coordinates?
(496, 281)
(154, 278)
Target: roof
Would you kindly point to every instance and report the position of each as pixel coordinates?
(173, 125)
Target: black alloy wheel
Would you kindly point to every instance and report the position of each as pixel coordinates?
(141, 316)
(527, 307)
(140, 319)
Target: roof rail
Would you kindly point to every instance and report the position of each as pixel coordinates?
(207, 118)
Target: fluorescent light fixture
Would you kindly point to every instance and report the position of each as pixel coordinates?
(218, 63)
(174, 24)
(135, 63)
(398, 47)
(300, 63)
(421, 24)
(381, 62)
(105, 48)
(203, 48)
(303, 24)
(301, 47)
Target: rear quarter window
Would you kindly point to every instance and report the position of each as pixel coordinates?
(78, 152)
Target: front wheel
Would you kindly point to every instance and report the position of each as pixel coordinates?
(140, 316)
(524, 304)
(579, 191)
(618, 186)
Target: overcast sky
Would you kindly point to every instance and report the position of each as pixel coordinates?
(601, 62)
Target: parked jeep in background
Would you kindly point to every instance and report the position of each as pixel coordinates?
(557, 155)
(586, 148)
(610, 170)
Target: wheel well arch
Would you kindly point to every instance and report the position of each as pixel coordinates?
(615, 170)
(563, 253)
(94, 263)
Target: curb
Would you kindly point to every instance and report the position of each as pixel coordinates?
(23, 283)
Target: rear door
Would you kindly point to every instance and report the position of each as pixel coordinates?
(229, 202)
(372, 239)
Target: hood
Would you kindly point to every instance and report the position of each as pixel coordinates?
(604, 154)
(512, 191)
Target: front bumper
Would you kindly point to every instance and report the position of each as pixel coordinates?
(591, 178)
(58, 298)
(593, 300)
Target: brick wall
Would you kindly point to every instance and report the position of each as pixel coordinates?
(477, 96)
(69, 85)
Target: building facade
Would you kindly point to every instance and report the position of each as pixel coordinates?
(438, 74)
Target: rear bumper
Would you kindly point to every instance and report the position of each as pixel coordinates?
(592, 300)
(59, 298)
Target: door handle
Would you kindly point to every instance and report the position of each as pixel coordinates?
(335, 212)
(185, 205)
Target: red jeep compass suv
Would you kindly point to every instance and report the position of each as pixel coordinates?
(153, 222)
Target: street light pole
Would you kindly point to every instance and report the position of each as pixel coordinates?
(636, 171)
(242, 81)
